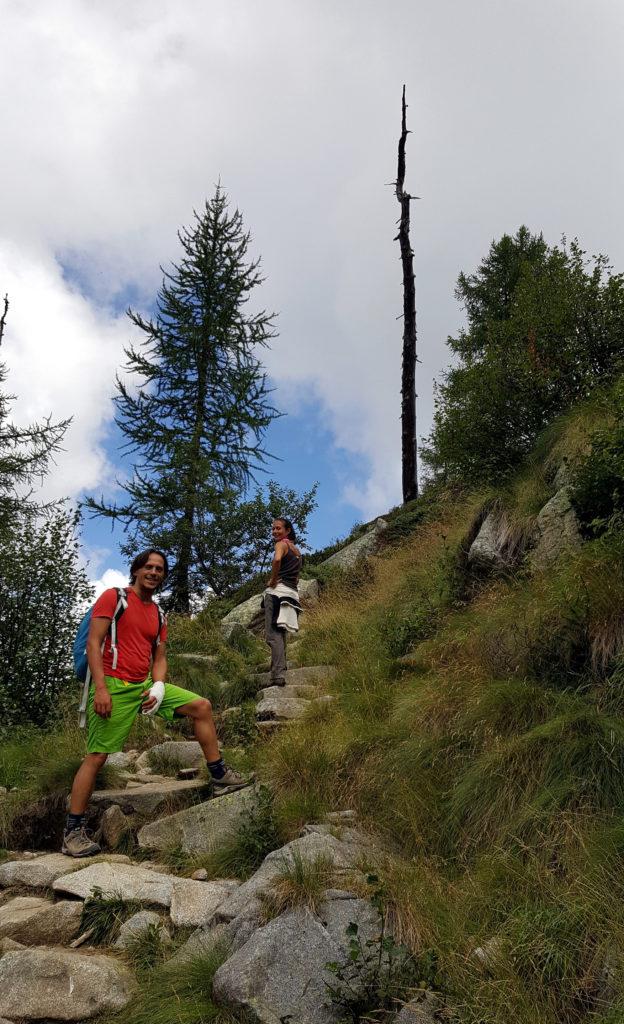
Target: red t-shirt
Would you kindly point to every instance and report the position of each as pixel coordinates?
(137, 632)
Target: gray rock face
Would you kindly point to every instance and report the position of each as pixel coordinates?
(145, 800)
(281, 708)
(194, 903)
(198, 829)
(114, 825)
(42, 871)
(61, 984)
(281, 971)
(138, 923)
(130, 881)
(557, 530)
(364, 546)
(34, 921)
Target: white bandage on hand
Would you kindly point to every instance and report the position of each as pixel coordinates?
(156, 690)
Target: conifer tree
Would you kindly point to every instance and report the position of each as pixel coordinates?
(195, 424)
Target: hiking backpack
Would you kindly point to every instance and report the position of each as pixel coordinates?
(81, 662)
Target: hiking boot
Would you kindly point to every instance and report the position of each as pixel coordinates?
(79, 844)
(231, 781)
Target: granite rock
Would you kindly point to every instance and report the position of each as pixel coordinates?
(60, 984)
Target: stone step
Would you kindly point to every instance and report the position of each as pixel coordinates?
(281, 708)
(40, 872)
(198, 829)
(308, 675)
(304, 690)
(146, 799)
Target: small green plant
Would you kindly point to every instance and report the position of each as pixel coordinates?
(104, 913)
(377, 973)
(146, 949)
(300, 883)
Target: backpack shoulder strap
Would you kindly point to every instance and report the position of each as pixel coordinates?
(122, 604)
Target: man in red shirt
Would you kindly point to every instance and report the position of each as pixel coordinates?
(121, 687)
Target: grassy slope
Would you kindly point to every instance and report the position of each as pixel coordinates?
(492, 763)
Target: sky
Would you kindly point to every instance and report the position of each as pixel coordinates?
(119, 118)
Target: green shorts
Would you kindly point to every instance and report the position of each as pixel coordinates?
(108, 735)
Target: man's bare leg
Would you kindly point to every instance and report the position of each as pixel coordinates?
(84, 782)
(223, 776)
(76, 841)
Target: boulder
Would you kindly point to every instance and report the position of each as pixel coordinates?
(34, 921)
(194, 903)
(114, 824)
(245, 614)
(174, 754)
(557, 530)
(129, 881)
(200, 828)
(62, 984)
(308, 592)
(146, 800)
(487, 552)
(361, 548)
(280, 708)
(280, 971)
(41, 872)
(138, 923)
(122, 759)
(342, 856)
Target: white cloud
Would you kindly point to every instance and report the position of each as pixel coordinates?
(122, 117)
(111, 578)
(62, 353)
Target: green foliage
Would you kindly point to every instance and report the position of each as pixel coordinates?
(105, 913)
(598, 492)
(42, 596)
(256, 835)
(196, 422)
(377, 974)
(236, 544)
(545, 327)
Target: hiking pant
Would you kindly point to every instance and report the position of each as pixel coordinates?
(276, 638)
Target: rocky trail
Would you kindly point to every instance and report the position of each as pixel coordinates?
(51, 967)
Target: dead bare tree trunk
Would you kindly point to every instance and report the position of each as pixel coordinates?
(408, 377)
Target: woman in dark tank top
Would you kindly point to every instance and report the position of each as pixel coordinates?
(285, 570)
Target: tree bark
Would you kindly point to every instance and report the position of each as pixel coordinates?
(408, 378)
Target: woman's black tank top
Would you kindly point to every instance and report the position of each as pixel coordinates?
(290, 568)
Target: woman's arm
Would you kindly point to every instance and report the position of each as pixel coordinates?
(280, 550)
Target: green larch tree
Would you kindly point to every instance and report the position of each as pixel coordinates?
(196, 421)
